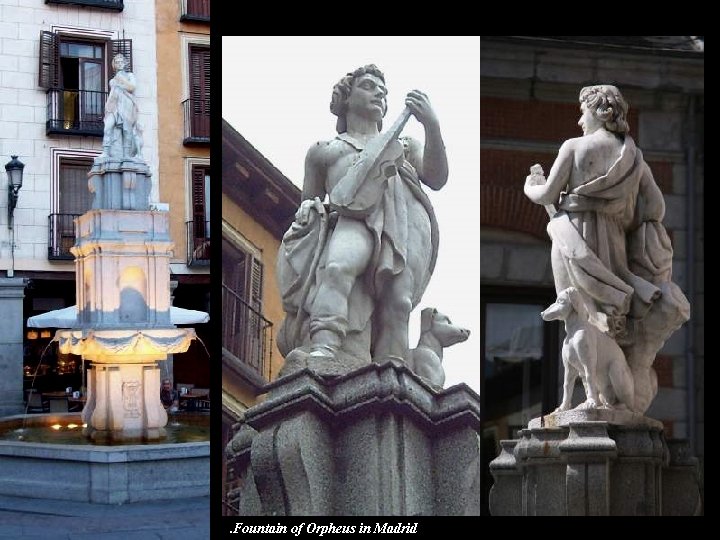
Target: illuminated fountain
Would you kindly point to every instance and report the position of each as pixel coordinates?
(123, 325)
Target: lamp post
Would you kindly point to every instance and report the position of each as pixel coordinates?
(14, 170)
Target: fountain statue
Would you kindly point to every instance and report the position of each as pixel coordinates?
(122, 254)
(124, 324)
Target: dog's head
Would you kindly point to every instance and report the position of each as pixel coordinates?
(440, 326)
(561, 309)
(571, 301)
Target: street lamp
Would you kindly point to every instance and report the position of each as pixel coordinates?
(14, 170)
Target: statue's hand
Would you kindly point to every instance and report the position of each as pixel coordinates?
(303, 213)
(419, 105)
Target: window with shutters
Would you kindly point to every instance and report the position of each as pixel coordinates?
(245, 332)
(198, 228)
(74, 71)
(197, 107)
(195, 10)
(114, 5)
(71, 198)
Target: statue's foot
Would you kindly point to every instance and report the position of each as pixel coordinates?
(388, 358)
(562, 408)
(587, 404)
(323, 351)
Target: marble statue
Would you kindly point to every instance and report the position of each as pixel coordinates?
(122, 135)
(609, 245)
(436, 333)
(352, 270)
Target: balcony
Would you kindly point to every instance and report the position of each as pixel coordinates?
(198, 243)
(195, 11)
(114, 5)
(61, 236)
(197, 122)
(246, 334)
(75, 112)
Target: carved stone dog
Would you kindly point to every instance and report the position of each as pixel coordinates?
(593, 355)
(436, 333)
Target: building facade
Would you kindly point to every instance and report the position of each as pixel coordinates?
(258, 206)
(55, 64)
(183, 105)
(529, 106)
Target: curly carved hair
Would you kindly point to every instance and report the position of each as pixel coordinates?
(607, 104)
(341, 93)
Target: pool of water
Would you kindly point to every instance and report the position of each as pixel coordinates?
(69, 429)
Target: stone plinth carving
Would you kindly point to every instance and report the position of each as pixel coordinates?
(586, 465)
(377, 441)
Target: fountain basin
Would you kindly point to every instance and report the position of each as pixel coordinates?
(100, 474)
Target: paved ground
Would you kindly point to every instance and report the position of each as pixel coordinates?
(42, 519)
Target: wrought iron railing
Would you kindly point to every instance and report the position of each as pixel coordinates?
(195, 10)
(198, 243)
(61, 236)
(197, 121)
(245, 332)
(75, 112)
(116, 5)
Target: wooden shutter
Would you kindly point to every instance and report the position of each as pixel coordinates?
(198, 201)
(256, 284)
(49, 60)
(200, 78)
(124, 47)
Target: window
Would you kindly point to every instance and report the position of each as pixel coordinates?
(245, 331)
(519, 369)
(195, 10)
(197, 106)
(71, 198)
(73, 70)
(114, 5)
(198, 232)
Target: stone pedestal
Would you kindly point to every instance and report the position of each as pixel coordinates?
(12, 291)
(122, 263)
(120, 183)
(123, 399)
(377, 441)
(578, 465)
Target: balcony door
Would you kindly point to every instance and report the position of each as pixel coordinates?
(73, 200)
(243, 324)
(83, 82)
(199, 92)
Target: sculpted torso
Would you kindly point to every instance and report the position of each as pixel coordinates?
(593, 156)
(328, 161)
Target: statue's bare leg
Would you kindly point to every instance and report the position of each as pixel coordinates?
(393, 316)
(349, 250)
(108, 128)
